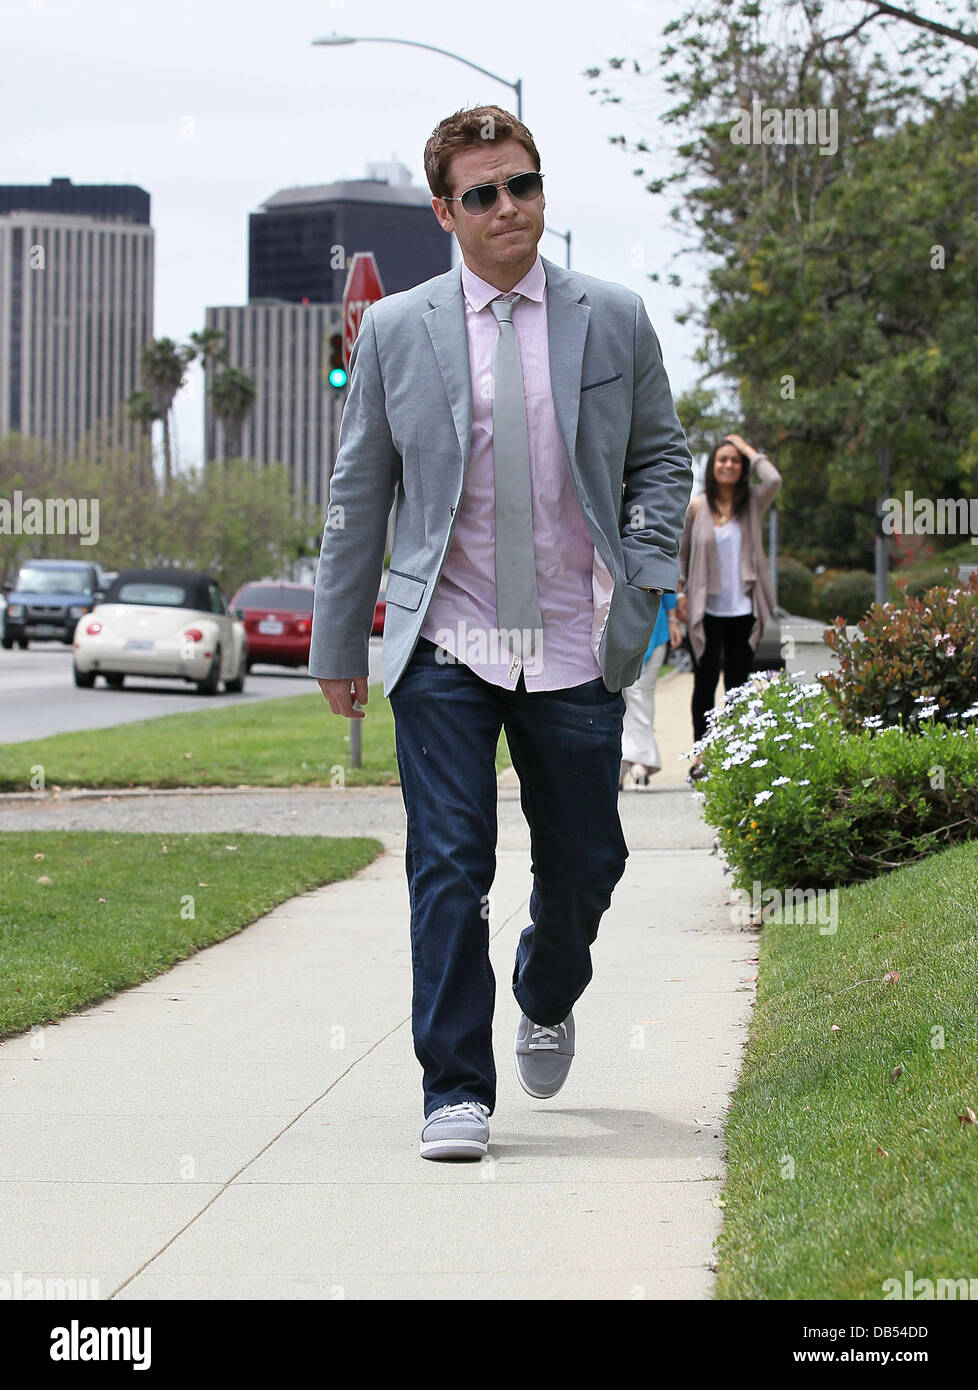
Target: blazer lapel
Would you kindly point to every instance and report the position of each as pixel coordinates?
(567, 321)
(445, 323)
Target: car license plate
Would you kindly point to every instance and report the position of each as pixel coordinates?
(139, 646)
(45, 629)
(271, 627)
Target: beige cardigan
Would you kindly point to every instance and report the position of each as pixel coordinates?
(698, 555)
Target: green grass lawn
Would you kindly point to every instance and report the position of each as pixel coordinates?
(840, 1177)
(116, 910)
(272, 743)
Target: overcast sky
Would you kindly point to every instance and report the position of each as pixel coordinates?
(213, 105)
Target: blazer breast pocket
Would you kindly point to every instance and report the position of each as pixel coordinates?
(604, 387)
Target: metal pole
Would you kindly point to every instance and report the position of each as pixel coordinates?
(882, 546)
(518, 89)
(355, 743)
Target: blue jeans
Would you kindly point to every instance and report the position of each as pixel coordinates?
(566, 749)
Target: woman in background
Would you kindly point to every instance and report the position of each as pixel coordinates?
(639, 750)
(724, 593)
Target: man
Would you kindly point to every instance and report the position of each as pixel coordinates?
(522, 416)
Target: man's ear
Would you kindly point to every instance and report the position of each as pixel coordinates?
(445, 220)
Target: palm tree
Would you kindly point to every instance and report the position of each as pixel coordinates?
(141, 409)
(209, 346)
(164, 365)
(232, 396)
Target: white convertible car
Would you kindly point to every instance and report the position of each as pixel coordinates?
(165, 623)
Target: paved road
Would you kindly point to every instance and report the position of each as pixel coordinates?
(39, 697)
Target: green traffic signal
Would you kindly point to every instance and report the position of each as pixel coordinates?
(338, 375)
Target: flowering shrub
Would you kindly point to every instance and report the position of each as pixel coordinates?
(908, 663)
(798, 802)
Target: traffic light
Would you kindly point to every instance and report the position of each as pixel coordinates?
(338, 375)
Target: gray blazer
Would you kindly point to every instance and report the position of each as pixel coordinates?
(406, 431)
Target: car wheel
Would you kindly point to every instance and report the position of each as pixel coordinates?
(7, 643)
(84, 679)
(22, 643)
(114, 681)
(208, 686)
(235, 686)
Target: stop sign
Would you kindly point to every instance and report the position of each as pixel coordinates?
(363, 288)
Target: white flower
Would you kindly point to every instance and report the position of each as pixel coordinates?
(780, 781)
(761, 797)
(759, 762)
(805, 782)
(807, 745)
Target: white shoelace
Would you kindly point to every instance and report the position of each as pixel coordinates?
(543, 1037)
(476, 1107)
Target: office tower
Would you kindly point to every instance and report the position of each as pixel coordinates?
(302, 240)
(295, 418)
(301, 247)
(76, 308)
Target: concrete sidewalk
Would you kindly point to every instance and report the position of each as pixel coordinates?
(246, 1125)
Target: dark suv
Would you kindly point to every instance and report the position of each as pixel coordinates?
(48, 599)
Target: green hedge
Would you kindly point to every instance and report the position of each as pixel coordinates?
(844, 594)
(796, 583)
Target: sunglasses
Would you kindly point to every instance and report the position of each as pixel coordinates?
(476, 201)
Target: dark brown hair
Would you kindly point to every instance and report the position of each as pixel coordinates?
(470, 127)
(741, 487)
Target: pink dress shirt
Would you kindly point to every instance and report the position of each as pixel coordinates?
(573, 583)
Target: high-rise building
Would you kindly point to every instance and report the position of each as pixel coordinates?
(76, 308)
(301, 246)
(284, 348)
(302, 241)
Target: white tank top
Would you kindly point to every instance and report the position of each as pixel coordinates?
(730, 601)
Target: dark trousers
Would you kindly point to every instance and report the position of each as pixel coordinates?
(727, 647)
(566, 749)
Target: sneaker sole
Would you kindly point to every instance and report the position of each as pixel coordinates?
(454, 1148)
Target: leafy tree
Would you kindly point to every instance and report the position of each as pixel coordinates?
(838, 290)
(234, 522)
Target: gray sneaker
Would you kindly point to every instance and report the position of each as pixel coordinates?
(456, 1131)
(544, 1056)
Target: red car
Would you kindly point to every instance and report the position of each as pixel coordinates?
(278, 622)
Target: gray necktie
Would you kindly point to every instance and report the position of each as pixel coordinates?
(517, 601)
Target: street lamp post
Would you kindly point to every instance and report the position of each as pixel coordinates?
(334, 40)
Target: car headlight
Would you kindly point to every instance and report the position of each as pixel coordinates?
(77, 612)
(15, 610)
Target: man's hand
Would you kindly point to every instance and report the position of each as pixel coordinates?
(675, 632)
(682, 608)
(341, 696)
